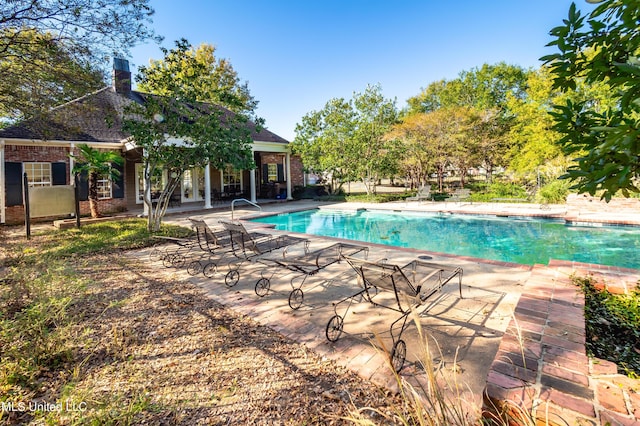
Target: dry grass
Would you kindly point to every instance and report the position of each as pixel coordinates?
(129, 346)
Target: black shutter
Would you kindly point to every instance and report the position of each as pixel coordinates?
(265, 173)
(83, 186)
(58, 173)
(280, 173)
(117, 186)
(13, 184)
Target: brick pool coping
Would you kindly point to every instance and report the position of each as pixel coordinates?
(541, 370)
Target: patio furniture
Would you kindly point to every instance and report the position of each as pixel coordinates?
(173, 255)
(424, 193)
(411, 285)
(248, 247)
(305, 266)
(212, 244)
(461, 194)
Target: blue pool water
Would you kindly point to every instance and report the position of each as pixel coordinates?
(520, 240)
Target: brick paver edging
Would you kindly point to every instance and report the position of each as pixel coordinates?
(542, 373)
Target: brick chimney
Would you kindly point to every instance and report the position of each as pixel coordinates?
(121, 76)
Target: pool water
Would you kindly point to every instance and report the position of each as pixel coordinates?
(519, 240)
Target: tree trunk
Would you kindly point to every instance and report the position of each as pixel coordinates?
(93, 195)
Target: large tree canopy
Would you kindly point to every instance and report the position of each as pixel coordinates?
(346, 138)
(37, 79)
(486, 87)
(605, 137)
(90, 28)
(52, 50)
(210, 78)
(177, 132)
(433, 141)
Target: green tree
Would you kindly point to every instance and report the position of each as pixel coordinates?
(50, 49)
(433, 141)
(36, 80)
(346, 139)
(534, 141)
(177, 132)
(602, 49)
(486, 87)
(323, 141)
(211, 79)
(96, 164)
(487, 139)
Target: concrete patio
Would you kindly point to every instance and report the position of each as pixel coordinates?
(463, 335)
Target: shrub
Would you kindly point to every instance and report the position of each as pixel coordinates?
(612, 324)
(498, 190)
(554, 192)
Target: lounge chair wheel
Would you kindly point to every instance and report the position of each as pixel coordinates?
(167, 260)
(231, 278)
(155, 254)
(262, 287)
(194, 268)
(209, 270)
(295, 299)
(178, 261)
(398, 355)
(334, 328)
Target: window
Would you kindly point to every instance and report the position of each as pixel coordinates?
(159, 180)
(38, 174)
(231, 181)
(104, 187)
(272, 173)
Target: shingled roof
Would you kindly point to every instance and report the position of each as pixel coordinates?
(96, 117)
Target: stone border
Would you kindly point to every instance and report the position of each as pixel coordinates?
(542, 372)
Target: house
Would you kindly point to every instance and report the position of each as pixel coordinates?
(42, 151)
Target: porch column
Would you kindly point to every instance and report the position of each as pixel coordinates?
(288, 166)
(72, 163)
(146, 191)
(207, 186)
(252, 185)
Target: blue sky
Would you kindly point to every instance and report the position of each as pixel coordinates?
(296, 55)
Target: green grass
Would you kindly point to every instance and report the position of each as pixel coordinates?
(104, 237)
(613, 326)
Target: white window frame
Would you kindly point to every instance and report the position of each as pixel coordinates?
(226, 172)
(43, 166)
(139, 169)
(272, 177)
(104, 193)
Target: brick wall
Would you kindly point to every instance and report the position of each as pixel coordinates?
(53, 154)
(297, 171)
(15, 214)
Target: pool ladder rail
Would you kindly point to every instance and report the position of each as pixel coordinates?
(233, 203)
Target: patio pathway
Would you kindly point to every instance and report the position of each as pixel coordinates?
(468, 331)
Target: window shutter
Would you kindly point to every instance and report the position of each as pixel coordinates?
(58, 173)
(265, 173)
(117, 186)
(280, 173)
(83, 185)
(13, 184)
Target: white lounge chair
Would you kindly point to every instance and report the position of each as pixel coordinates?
(424, 193)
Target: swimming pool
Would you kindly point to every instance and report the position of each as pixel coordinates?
(520, 240)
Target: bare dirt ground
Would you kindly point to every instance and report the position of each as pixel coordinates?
(158, 342)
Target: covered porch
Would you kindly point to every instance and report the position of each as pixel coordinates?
(206, 187)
